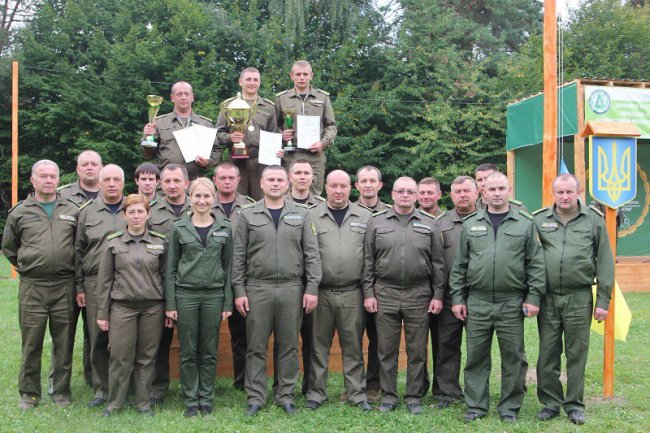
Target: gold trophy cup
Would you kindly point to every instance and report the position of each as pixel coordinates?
(238, 117)
(287, 114)
(154, 102)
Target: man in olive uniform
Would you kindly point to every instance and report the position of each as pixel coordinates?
(147, 177)
(263, 119)
(307, 101)
(428, 195)
(89, 164)
(301, 178)
(481, 173)
(341, 228)
(577, 250)
(228, 204)
(404, 281)
(497, 278)
(446, 329)
(165, 149)
(97, 219)
(38, 240)
(165, 211)
(276, 272)
(368, 184)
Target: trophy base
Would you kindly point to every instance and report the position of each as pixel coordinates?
(239, 153)
(147, 143)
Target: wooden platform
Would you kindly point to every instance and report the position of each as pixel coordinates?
(224, 357)
(632, 274)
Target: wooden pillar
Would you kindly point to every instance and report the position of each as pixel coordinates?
(579, 144)
(510, 161)
(14, 141)
(549, 142)
(608, 358)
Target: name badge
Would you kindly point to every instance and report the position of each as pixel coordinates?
(293, 217)
(478, 228)
(316, 102)
(422, 226)
(220, 234)
(155, 247)
(362, 225)
(67, 217)
(550, 225)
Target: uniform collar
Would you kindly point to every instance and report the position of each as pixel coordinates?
(551, 211)
(146, 237)
(293, 94)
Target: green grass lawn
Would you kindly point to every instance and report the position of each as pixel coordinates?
(627, 412)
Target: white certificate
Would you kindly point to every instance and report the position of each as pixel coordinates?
(197, 140)
(270, 143)
(307, 130)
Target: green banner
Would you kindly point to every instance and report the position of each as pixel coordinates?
(619, 104)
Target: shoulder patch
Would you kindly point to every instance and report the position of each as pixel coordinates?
(15, 206)
(281, 93)
(598, 211)
(380, 212)
(250, 199)
(269, 101)
(162, 115)
(313, 206)
(159, 235)
(246, 206)
(517, 202)
(364, 206)
(427, 214)
(205, 118)
(323, 92)
(526, 214)
(540, 210)
(86, 204)
(64, 187)
(317, 197)
(306, 206)
(114, 235)
(72, 201)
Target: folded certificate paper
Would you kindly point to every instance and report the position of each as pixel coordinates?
(197, 140)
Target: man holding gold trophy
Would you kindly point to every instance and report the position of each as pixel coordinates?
(313, 127)
(245, 145)
(158, 139)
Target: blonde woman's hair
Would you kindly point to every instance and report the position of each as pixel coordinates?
(202, 181)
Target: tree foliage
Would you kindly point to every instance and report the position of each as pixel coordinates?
(419, 87)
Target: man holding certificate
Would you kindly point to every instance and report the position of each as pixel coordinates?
(262, 118)
(165, 147)
(313, 125)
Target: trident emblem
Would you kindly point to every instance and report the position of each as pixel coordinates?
(614, 176)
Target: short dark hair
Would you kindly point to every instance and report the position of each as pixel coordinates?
(430, 181)
(172, 166)
(370, 168)
(488, 166)
(146, 168)
(227, 165)
(299, 161)
(249, 69)
(273, 168)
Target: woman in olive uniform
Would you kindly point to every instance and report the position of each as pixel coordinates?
(130, 304)
(198, 293)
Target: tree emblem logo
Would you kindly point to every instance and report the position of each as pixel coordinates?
(599, 101)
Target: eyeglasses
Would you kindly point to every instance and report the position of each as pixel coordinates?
(404, 191)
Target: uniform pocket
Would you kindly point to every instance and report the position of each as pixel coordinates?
(514, 240)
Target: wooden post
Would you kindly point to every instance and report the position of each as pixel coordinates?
(579, 144)
(510, 158)
(14, 141)
(549, 142)
(608, 357)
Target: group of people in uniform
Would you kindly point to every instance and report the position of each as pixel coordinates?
(187, 252)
